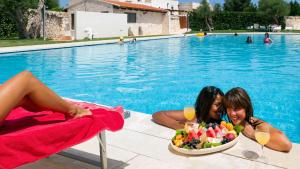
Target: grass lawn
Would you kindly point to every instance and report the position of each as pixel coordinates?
(26, 42)
(22, 42)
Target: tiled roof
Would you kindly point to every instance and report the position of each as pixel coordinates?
(134, 6)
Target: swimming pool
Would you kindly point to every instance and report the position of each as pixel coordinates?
(167, 74)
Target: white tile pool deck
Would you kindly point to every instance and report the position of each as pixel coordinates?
(142, 144)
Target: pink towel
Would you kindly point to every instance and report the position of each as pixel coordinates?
(26, 136)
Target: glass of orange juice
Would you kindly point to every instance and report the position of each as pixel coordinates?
(262, 136)
(189, 113)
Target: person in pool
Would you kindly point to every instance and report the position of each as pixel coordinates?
(240, 112)
(249, 40)
(27, 91)
(267, 38)
(208, 108)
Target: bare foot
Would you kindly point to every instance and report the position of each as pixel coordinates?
(78, 112)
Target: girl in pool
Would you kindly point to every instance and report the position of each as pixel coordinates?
(208, 109)
(240, 111)
(28, 92)
(267, 38)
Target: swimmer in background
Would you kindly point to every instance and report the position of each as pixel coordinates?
(249, 40)
(267, 38)
(121, 40)
(133, 40)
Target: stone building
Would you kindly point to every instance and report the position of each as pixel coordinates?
(141, 19)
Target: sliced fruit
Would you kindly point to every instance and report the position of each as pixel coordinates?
(217, 129)
(216, 144)
(192, 135)
(238, 128)
(210, 132)
(179, 137)
(199, 133)
(178, 143)
(229, 126)
(233, 132)
(223, 123)
(207, 145)
(230, 136)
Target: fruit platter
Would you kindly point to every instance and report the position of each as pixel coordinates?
(202, 138)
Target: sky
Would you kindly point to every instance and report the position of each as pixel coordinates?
(64, 2)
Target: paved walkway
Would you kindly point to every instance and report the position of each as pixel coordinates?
(142, 144)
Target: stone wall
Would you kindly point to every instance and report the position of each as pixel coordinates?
(57, 24)
(293, 21)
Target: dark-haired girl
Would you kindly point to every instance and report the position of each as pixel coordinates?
(240, 111)
(208, 108)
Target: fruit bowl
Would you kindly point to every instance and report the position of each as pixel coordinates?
(197, 139)
(205, 150)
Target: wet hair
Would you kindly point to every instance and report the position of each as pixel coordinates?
(267, 35)
(204, 101)
(249, 39)
(237, 98)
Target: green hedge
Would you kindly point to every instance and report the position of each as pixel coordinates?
(7, 27)
(232, 20)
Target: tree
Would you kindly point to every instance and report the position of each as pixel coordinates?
(21, 10)
(204, 11)
(34, 29)
(250, 8)
(7, 25)
(53, 5)
(18, 11)
(274, 8)
(237, 5)
(295, 8)
(217, 8)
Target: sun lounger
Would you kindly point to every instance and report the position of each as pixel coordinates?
(288, 28)
(27, 136)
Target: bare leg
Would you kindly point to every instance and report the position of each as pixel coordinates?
(26, 90)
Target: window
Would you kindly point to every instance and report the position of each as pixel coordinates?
(72, 21)
(131, 17)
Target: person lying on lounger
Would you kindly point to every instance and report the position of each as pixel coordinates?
(208, 109)
(240, 112)
(27, 91)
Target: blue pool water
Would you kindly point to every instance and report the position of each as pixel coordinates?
(167, 74)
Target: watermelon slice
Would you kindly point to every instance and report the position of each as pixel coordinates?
(210, 132)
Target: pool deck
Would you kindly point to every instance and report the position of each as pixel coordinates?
(142, 144)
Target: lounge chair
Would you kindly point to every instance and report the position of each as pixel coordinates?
(276, 28)
(27, 136)
(256, 26)
(289, 28)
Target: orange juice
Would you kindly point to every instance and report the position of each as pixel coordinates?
(189, 113)
(262, 137)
